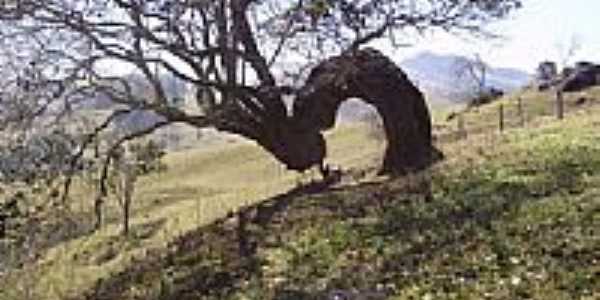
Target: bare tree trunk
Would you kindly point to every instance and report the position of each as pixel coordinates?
(3, 221)
(126, 216)
(227, 40)
(501, 117)
(128, 183)
(98, 202)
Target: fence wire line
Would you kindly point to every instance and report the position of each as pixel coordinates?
(507, 115)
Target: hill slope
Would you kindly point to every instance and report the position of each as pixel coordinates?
(435, 74)
(513, 216)
(514, 219)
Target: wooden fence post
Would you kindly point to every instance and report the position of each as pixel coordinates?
(501, 117)
(560, 105)
(520, 111)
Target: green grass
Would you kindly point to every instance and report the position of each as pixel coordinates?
(513, 216)
(198, 187)
(522, 223)
(537, 109)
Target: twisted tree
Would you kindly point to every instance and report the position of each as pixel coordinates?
(371, 76)
(59, 56)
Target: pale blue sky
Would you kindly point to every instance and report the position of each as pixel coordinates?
(530, 35)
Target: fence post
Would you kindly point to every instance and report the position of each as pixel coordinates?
(520, 111)
(560, 105)
(501, 117)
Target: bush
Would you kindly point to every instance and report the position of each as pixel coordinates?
(148, 157)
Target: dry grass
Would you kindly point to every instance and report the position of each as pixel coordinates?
(201, 186)
(513, 217)
(198, 187)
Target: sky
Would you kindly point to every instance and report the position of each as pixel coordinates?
(541, 30)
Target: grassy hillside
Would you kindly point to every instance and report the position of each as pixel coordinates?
(513, 216)
(198, 187)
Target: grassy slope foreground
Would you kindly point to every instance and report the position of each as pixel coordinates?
(198, 187)
(513, 216)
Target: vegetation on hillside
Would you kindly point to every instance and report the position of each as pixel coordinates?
(513, 216)
(516, 219)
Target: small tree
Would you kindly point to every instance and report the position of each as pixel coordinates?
(125, 177)
(566, 50)
(147, 156)
(474, 72)
(141, 158)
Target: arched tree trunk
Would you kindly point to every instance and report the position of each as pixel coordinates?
(367, 73)
(370, 75)
(297, 140)
(265, 121)
(407, 127)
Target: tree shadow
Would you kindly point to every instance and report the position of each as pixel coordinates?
(206, 263)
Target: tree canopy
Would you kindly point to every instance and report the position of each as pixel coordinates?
(239, 57)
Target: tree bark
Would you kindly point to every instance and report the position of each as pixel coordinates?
(369, 75)
(297, 141)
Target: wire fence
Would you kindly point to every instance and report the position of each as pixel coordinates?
(502, 116)
(490, 119)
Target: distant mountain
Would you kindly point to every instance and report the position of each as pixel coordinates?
(138, 120)
(173, 88)
(435, 74)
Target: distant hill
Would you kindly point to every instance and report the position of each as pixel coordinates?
(138, 119)
(435, 74)
(173, 88)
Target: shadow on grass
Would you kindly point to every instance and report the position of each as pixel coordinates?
(393, 232)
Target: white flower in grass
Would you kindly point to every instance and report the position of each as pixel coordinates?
(515, 280)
